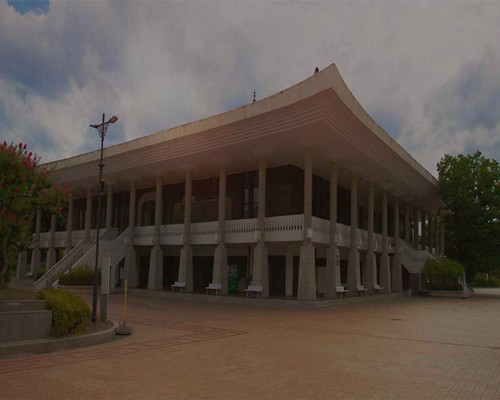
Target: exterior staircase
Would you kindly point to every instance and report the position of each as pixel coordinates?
(413, 260)
(83, 254)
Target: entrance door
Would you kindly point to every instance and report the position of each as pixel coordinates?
(277, 275)
(170, 270)
(143, 260)
(202, 272)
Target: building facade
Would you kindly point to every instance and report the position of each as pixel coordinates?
(298, 194)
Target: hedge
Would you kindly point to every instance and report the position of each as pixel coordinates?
(481, 280)
(81, 276)
(443, 274)
(39, 273)
(70, 313)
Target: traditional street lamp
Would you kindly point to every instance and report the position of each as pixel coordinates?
(102, 128)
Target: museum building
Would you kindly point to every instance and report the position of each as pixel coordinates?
(300, 194)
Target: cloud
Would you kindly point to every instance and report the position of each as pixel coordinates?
(464, 109)
(159, 64)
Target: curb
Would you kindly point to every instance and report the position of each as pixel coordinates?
(272, 303)
(51, 344)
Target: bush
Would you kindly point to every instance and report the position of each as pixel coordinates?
(81, 276)
(443, 274)
(70, 313)
(40, 273)
(481, 280)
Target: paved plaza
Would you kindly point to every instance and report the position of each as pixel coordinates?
(401, 348)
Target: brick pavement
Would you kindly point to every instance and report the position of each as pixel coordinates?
(405, 348)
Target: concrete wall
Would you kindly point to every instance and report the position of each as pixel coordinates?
(21, 324)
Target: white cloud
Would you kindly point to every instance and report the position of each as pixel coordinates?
(159, 64)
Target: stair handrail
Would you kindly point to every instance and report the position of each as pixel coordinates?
(412, 258)
(89, 257)
(62, 265)
(115, 250)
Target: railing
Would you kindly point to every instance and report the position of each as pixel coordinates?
(288, 228)
(204, 232)
(89, 258)
(285, 228)
(241, 230)
(413, 260)
(60, 239)
(143, 235)
(172, 234)
(52, 275)
(115, 250)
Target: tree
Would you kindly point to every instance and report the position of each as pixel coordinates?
(24, 187)
(470, 188)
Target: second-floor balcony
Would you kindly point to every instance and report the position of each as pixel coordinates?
(289, 228)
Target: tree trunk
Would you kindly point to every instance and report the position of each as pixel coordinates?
(4, 262)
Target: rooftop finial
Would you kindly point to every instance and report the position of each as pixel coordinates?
(254, 97)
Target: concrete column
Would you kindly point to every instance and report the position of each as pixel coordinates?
(353, 273)
(289, 271)
(186, 261)
(438, 241)
(51, 253)
(35, 255)
(385, 265)
(260, 274)
(332, 254)
(109, 207)
(155, 278)
(441, 238)
(371, 262)
(431, 241)
(130, 272)
(415, 228)
(407, 222)
(307, 266)
(397, 277)
(69, 224)
(88, 215)
(424, 226)
(220, 271)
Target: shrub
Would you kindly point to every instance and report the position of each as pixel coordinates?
(40, 273)
(481, 280)
(81, 276)
(443, 274)
(70, 313)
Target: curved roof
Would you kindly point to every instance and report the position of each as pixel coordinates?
(319, 113)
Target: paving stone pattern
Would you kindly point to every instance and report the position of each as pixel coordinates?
(402, 348)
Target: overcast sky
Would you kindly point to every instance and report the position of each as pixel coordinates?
(427, 72)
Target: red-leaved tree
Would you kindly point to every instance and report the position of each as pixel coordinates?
(24, 187)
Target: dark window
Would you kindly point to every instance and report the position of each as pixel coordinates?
(343, 205)
(284, 191)
(321, 198)
(250, 194)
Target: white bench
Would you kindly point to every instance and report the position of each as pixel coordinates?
(341, 291)
(361, 290)
(378, 288)
(254, 289)
(178, 285)
(213, 287)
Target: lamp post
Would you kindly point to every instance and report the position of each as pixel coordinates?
(102, 128)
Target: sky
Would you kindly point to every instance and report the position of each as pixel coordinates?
(427, 71)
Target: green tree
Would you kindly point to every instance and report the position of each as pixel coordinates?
(24, 187)
(470, 188)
